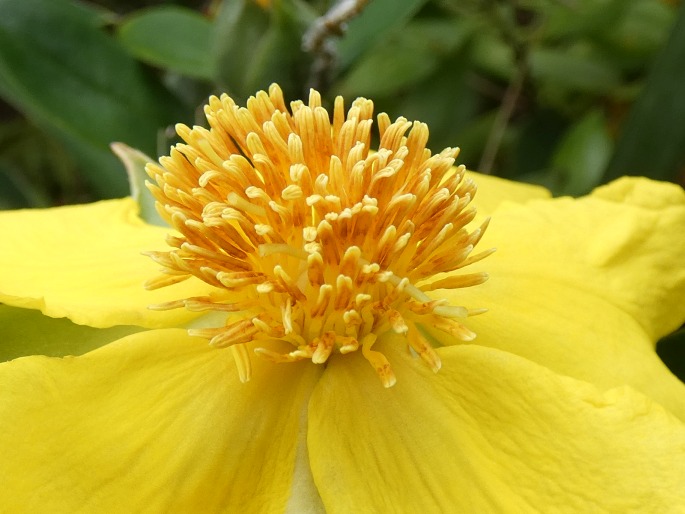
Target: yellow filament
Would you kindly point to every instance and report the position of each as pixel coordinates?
(311, 238)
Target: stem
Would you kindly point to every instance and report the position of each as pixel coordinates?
(510, 34)
(318, 40)
(511, 96)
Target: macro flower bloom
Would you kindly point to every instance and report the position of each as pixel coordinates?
(351, 365)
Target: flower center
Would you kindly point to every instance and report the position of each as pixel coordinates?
(310, 238)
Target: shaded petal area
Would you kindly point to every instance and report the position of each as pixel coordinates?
(156, 422)
(84, 262)
(586, 286)
(491, 432)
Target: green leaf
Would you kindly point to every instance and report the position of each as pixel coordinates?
(403, 59)
(582, 155)
(653, 138)
(444, 101)
(381, 73)
(240, 28)
(279, 56)
(255, 47)
(135, 161)
(643, 28)
(171, 37)
(63, 71)
(472, 137)
(490, 54)
(15, 191)
(581, 17)
(374, 23)
(573, 68)
(28, 332)
(39, 171)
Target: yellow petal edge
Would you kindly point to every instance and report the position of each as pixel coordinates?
(84, 262)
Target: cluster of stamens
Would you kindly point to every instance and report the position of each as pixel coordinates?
(310, 238)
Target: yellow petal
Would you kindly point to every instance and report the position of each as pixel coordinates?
(84, 262)
(156, 422)
(493, 191)
(586, 287)
(491, 432)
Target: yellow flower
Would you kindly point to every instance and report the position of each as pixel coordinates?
(291, 241)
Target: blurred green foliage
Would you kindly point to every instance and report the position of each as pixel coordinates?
(565, 93)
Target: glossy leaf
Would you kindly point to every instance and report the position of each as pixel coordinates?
(62, 70)
(279, 57)
(573, 69)
(652, 142)
(445, 102)
(15, 191)
(171, 37)
(422, 45)
(537, 140)
(582, 155)
(240, 27)
(135, 161)
(581, 17)
(255, 46)
(377, 19)
(489, 53)
(643, 27)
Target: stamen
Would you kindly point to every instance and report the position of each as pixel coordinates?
(350, 261)
(270, 249)
(425, 351)
(310, 238)
(164, 281)
(378, 361)
(349, 345)
(457, 281)
(292, 192)
(324, 347)
(294, 356)
(344, 290)
(397, 322)
(174, 304)
(352, 317)
(242, 362)
(453, 328)
(322, 301)
(315, 269)
(205, 303)
(240, 203)
(451, 311)
(287, 283)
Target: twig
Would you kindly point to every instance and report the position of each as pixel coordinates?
(318, 40)
(509, 100)
(511, 95)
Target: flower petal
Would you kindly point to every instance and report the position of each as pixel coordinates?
(586, 286)
(84, 262)
(493, 191)
(491, 432)
(156, 422)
